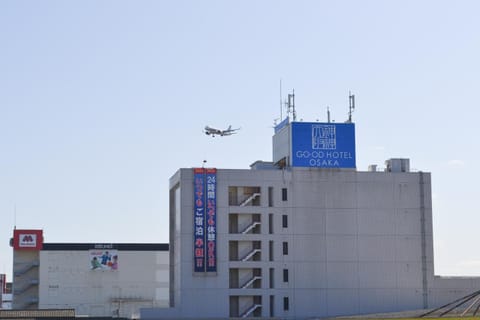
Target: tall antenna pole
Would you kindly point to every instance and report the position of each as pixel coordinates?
(281, 105)
(351, 105)
(291, 104)
(328, 114)
(294, 113)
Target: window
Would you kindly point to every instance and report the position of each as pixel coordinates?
(284, 194)
(270, 196)
(270, 223)
(285, 248)
(285, 275)
(285, 303)
(272, 306)
(285, 221)
(272, 278)
(270, 249)
(244, 196)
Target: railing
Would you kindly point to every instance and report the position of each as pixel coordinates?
(249, 199)
(251, 310)
(250, 227)
(29, 267)
(27, 303)
(21, 290)
(251, 281)
(251, 254)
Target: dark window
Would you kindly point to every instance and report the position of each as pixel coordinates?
(285, 275)
(284, 194)
(285, 248)
(272, 306)
(270, 223)
(272, 278)
(270, 247)
(285, 303)
(270, 196)
(285, 221)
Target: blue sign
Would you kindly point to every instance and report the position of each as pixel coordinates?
(199, 219)
(323, 145)
(205, 220)
(211, 219)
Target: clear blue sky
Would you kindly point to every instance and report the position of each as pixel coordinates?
(102, 101)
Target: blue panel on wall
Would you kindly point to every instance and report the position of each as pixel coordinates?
(323, 145)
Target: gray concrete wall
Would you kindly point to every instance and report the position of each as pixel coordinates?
(356, 244)
(67, 281)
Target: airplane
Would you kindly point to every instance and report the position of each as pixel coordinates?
(212, 131)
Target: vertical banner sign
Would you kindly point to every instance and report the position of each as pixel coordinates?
(211, 182)
(205, 220)
(199, 219)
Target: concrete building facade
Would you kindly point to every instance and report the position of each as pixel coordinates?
(295, 242)
(140, 279)
(93, 279)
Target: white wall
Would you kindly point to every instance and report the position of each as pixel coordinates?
(66, 281)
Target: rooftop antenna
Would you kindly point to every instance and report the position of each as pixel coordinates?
(291, 104)
(328, 114)
(204, 162)
(351, 106)
(281, 104)
(14, 216)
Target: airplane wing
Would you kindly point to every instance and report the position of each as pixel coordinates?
(229, 131)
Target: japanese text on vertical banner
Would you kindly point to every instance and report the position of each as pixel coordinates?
(211, 179)
(199, 219)
(205, 220)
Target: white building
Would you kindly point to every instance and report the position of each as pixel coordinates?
(306, 235)
(5, 295)
(94, 279)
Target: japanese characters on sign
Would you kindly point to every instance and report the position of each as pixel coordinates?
(325, 145)
(199, 220)
(205, 220)
(211, 182)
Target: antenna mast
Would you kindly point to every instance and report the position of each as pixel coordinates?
(351, 106)
(281, 104)
(291, 105)
(328, 114)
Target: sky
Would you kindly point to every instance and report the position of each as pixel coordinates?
(101, 102)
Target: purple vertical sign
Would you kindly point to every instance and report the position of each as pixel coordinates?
(211, 219)
(199, 219)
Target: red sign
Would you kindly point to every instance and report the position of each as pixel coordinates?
(27, 239)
